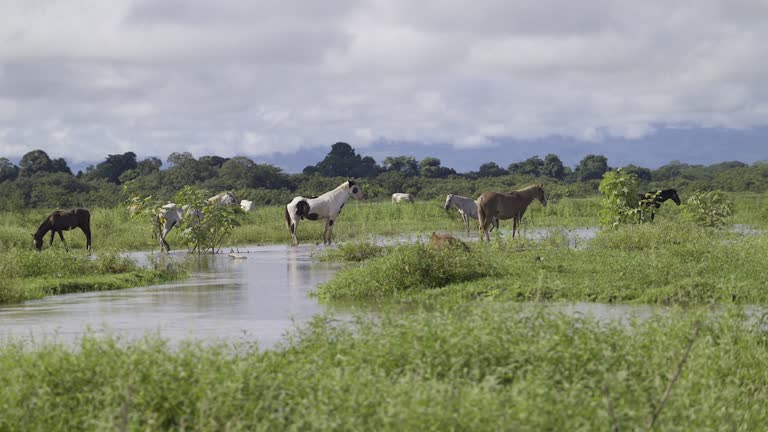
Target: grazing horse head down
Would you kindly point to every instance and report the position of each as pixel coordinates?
(247, 206)
(64, 220)
(171, 214)
(327, 206)
(400, 197)
(510, 205)
(654, 200)
(467, 208)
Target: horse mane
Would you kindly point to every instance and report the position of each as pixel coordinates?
(44, 227)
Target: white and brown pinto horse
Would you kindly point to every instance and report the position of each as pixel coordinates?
(327, 206)
(510, 205)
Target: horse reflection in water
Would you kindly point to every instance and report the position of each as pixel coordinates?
(64, 220)
(171, 214)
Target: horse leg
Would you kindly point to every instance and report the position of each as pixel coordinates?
(294, 228)
(330, 230)
(465, 217)
(53, 233)
(61, 236)
(87, 231)
(325, 231)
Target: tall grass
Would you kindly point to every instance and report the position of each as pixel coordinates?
(26, 274)
(494, 367)
(666, 262)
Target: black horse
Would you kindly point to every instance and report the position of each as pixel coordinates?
(654, 200)
(61, 220)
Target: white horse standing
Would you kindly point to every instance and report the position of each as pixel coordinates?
(467, 208)
(400, 197)
(171, 214)
(326, 206)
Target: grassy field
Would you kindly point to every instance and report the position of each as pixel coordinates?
(663, 263)
(459, 341)
(489, 366)
(26, 274)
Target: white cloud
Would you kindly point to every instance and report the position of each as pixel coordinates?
(87, 78)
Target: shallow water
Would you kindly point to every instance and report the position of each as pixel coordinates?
(257, 298)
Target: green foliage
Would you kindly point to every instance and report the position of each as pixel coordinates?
(357, 251)
(489, 367)
(26, 274)
(205, 223)
(708, 209)
(620, 201)
(592, 167)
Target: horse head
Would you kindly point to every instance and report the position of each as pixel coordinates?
(540, 194)
(355, 190)
(673, 196)
(448, 199)
(38, 242)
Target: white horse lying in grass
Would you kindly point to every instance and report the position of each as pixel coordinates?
(400, 197)
(467, 208)
(326, 206)
(171, 214)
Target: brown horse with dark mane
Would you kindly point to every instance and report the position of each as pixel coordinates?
(64, 220)
(442, 241)
(510, 205)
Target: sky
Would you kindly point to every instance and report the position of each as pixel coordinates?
(279, 81)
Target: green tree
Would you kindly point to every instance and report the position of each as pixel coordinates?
(38, 161)
(592, 167)
(532, 166)
(8, 171)
(643, 174)
(553, 167)
(342, 161)
(405, 165)
(430, 167)
(491, 169)
(205, 224)
(113, 167)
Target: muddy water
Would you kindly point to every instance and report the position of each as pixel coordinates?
(256, 298)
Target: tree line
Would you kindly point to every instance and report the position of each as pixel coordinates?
(39, 181)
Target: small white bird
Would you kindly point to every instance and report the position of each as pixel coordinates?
(234, 255)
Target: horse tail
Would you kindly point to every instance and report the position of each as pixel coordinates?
(287, 217)
(480, 213)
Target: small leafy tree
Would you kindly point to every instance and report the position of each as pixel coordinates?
(620, 200)
(708, 209)
(205, 223)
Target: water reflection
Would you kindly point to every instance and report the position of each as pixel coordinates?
(258, 298)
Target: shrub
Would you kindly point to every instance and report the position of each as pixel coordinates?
(708, 209)
(620, 203)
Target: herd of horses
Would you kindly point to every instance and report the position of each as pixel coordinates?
(487, 209)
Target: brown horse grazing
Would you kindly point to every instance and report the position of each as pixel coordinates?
(62, 220)
(510, 205)
(440, 241)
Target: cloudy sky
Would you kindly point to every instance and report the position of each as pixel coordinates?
(466, 81)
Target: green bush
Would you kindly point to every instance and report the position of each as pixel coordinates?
(620, 201)
(708, 209)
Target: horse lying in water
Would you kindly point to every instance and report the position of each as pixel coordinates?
(327, 206)
(64, 220)
(442, 241)
(504, 206)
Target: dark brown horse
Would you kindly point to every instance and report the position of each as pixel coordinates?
(654, 200)
(64, 220)
(503, 206)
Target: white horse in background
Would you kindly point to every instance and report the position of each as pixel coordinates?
(400, 197)
(326, 206)
(247, 206)
(467, 208)
(171, 214)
